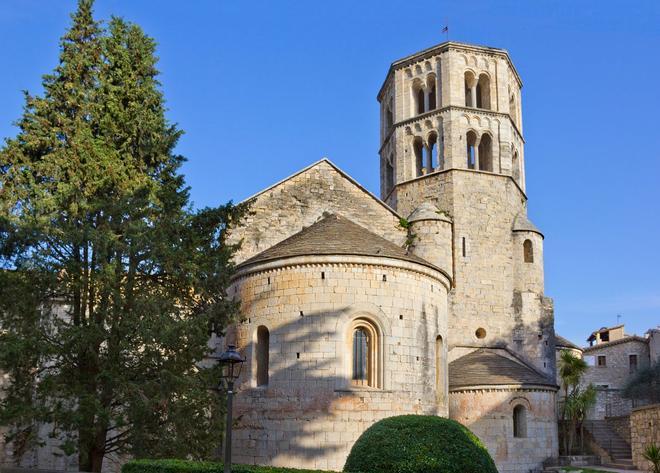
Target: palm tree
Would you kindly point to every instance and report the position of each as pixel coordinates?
(652, 454)
(571, 370)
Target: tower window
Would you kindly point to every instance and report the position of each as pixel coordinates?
(263, 347)
(418, 151)
(602, 361)
(365, 354)
(464, 247)
(519, 421)
(420, 101)
(515, 167)
(389, 176)
(528, 251)
(433, 152)
(430, 86)
(439, 370)
(483, 92)
(471, 140)
(486, 153)
(470, 89)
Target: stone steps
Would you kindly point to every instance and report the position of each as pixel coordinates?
(609, 440)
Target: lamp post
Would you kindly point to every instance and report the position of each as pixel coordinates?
(230, 363)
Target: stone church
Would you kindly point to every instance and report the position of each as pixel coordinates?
(426, 300)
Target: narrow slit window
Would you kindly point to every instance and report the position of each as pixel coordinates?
(528, 251)
(263, 348)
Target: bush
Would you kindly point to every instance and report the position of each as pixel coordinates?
(419, 444)
(185, 466)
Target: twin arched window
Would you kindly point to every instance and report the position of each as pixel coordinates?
(477, 90)
(425, 96)
(479, 151)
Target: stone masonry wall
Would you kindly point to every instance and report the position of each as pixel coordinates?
(611, 378)
(309, 414)
(644, 430)
(298, 202)
(489, 414)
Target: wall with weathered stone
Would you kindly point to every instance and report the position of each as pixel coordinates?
(301, 200)
(644, 430)
(309, 414)
(488, 412)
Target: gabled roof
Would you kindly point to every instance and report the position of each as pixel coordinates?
(626, 339)
(562, 342)
(335, 235)
(485, 367)
(336, 168)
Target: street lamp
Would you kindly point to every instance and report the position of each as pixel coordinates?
(230, 363)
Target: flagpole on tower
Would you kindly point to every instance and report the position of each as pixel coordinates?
(445, 29)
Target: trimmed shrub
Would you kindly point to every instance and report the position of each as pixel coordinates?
(419, 444)
(185, 466)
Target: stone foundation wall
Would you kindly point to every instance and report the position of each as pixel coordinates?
(644, 430)
(488, 412)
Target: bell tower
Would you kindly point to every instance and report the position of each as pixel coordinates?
(451, 140)
(452, 106)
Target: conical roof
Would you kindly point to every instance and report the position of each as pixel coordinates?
(335, 235)
(523, 224)
(485, 367)
(428, 211)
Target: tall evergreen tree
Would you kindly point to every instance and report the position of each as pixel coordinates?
(110, 281)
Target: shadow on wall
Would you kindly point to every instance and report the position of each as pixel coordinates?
(309, 413)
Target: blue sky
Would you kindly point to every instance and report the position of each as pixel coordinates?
(264, 88)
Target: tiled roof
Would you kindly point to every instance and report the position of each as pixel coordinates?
(626, 339)
(565, 343)
(523, 224)
(335, 235)
(484, 367)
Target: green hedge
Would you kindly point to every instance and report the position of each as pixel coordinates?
(419, 444)
(185, 466)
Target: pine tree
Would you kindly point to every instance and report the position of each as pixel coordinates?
(110, 280)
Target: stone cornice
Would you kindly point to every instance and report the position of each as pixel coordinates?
(448, 108)
(446, 46)
(435, 173)
(344, 260)
(503, 387)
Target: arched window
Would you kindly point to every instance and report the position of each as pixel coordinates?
(439, 370)
(486, 153)
(389, 176)
(528, 251)
(513, 109)
(418, 151)
(515, 167)
(389, 117)
(263, 346)
(420, 101)
(483, 92)
(432, 162)
(430, 86)
(519, 421)
(471, 139)
(470, 89)
(365, 359)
